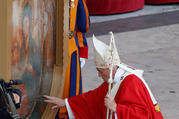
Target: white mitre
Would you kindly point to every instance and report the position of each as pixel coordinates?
(103, 56)
(102, 53)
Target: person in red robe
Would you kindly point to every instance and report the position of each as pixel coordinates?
(129, 97)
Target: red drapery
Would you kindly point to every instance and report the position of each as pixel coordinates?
(103, 7)
(161, 1)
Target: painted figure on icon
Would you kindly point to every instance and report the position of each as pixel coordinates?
(33, 52)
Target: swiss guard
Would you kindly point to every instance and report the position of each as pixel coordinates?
(79, 24)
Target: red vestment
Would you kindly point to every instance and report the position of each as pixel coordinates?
(132, 98)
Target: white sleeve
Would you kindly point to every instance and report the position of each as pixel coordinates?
(82, 62)
(70, 113)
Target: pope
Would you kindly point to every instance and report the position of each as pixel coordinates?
(129, 97)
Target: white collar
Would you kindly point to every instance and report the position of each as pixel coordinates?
(118, 75)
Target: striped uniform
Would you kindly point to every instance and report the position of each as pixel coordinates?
(79, 24)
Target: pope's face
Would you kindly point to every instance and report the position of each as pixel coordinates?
(103, 73)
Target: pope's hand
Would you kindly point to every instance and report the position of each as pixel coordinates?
(110, 103)
(57, 102)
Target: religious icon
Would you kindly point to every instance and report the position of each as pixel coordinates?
(33, 52)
